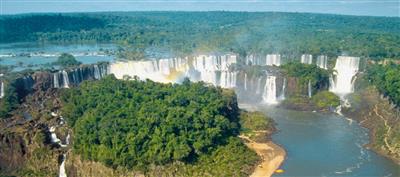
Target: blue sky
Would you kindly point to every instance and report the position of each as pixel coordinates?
(348, 7)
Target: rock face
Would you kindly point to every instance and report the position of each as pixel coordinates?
(24, 150)
(12, 152)
(25, 138)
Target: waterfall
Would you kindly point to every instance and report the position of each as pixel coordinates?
(258, 86)
(322, 61)
(207, 68)
(53, 136)
(96, 72)
(306, 59)
(309, 89)
(62, 167)
(252, 60)
(56, 83)
(228, 79)
(2, 90)
(269, 94)
(342, 81)
(282, 97)
(273, 59)
(65, 79)
(245, 81)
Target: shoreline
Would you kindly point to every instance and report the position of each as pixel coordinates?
(372, 140)
(376, 112)
(272, 156)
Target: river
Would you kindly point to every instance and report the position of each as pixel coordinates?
(35, 56)
(320, 144)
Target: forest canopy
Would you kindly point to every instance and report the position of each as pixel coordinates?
(319, 78)
(136, 123)
(387, 80)
(190, 32)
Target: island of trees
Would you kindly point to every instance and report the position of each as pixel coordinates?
(138, 124)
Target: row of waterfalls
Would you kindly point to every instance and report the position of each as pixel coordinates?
(269, 87)
(275, 59)
(66, 78)
(215, 70)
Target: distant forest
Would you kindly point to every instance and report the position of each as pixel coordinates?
(190, 32)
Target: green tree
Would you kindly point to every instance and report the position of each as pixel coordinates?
(67, 60)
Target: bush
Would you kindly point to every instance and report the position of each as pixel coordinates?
(67, 60)
(325, 99)
(255, 121)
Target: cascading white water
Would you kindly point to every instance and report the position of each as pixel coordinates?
(65, 79)
(210, 69)
(342, 82)
(258, 86)
(253, 60)
(62, 172)
(96, 72)
(269, 95)
(228, 79)
(282, 97)
(322, 61)
(309, 89)
(245, 81)
(56, 83)
(273, 59)
(306, 59)
(2, 90)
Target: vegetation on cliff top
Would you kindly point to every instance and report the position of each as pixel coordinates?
(386, 78)
(9, 102)
(256, 125)
(305, 73)
(325, 99)
(134, 124)
(67, 60)
(322, 101)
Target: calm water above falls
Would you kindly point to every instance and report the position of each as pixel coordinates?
(45, 54)
(325, 145)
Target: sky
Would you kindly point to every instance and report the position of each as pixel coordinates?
(347, 7)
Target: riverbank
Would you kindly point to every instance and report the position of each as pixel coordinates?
(257, 129)
(381, 118)
(271, 154)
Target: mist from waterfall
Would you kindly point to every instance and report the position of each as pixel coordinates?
(269, 94)
(306, 59)
(342, 81)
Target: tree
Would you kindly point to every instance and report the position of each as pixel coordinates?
(67, 60)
